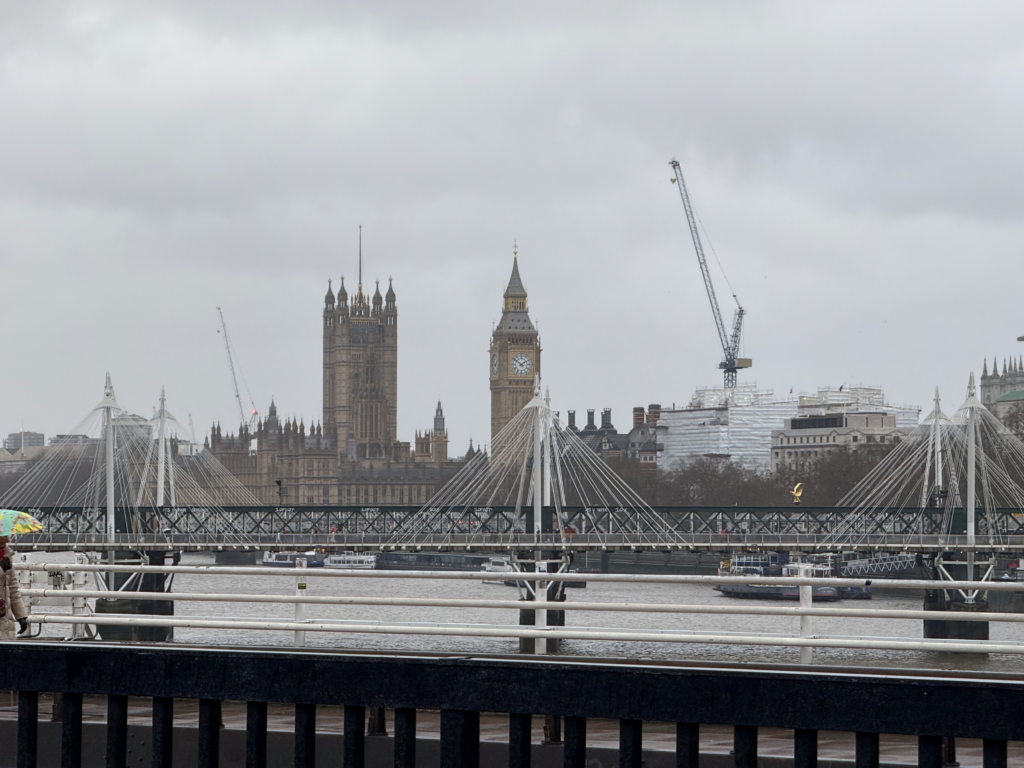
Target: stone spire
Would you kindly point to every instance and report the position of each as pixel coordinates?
(515, 284)
(439, 419)
(329, 298)
(984, 369)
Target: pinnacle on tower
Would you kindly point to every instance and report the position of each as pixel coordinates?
(329, 298)
(984, 369)
(342, 293)
(515, 284)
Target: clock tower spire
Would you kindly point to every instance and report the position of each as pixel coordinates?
(515, 353)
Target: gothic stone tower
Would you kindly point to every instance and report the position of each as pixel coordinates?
(515, 355)
(361, 372)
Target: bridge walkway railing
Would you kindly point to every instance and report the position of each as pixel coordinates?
(505, 542)
(931, 706)
(802, 611)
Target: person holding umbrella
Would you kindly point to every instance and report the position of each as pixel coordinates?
(11, 607)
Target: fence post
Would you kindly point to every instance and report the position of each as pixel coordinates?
(163, 732)
(405, 738)
(867, 750)
(929, 751)
(993, 753)
(460, 739)
(805, 748)
(806, 622)
(117, 730)
(745, 746)
(687, 745)
(519, 740)
(630, 743)
(256, 734)
(574, 747)
(300, 608)
(209, 733)
(305, 735)
(355, 738)
(28, 729)
(71, 730)
(78, 604)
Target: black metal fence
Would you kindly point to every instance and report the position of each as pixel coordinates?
(928, 705)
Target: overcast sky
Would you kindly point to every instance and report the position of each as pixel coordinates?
(857, 167)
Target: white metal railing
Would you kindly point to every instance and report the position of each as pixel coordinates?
(74, 592)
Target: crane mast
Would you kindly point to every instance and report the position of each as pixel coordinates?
(730, 341)
(250, 422)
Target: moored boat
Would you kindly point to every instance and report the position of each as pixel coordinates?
(777, 591)
(287, 559)
(352, 560)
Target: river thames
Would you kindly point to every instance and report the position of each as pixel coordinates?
(600, 592)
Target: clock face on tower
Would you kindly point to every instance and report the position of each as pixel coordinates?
(494, 365)
(522, 364)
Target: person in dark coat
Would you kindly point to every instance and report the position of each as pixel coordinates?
(11, 608)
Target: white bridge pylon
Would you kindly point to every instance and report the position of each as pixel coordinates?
(970, 466)
(114, 462)
(535, 467)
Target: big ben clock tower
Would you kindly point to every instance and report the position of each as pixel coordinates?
(515, 354)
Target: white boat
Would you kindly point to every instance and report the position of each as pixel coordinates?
(360, 560)
(287, 559)
(497, 565)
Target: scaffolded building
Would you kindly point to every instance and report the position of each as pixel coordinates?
(737, 423)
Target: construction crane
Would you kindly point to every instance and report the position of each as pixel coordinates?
(251, 421)
(730, 341)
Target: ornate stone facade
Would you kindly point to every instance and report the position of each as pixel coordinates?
(1001, 391)
(361, 374)
(514, 354)
(353, 457)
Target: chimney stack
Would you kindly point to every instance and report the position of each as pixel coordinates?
(572, 421)
(590, 419)
(653, 414)
(606, 419)
(638, 416)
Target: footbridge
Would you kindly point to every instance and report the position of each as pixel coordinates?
(500, 529)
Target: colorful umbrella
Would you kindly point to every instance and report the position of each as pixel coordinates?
(12, 521)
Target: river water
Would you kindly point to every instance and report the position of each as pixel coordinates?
(595, 593)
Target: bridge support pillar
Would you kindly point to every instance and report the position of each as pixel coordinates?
(805, 748)
(744, 744)
(520, 740)
(460, 739)
(687, 745)
(28, 729)
(951, 629)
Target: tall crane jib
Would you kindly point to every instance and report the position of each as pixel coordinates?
(730, 340)
(250, 422)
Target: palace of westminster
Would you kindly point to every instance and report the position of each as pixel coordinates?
(354, 455)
